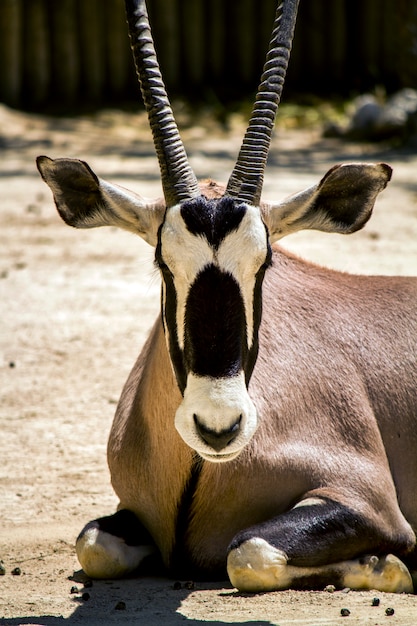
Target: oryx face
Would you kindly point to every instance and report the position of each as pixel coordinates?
(213, 255)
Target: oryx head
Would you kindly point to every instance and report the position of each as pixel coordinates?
(212, 253)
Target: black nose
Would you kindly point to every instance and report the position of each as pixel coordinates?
(217, 439)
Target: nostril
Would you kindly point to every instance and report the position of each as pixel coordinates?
(217, 439)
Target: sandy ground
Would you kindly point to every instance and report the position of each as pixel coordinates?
(75, 307)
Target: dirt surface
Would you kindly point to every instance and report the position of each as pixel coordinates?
(75, 308)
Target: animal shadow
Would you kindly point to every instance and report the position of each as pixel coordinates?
(133, 601)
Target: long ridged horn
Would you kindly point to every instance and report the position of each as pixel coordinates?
(246, 180)
(178, 179)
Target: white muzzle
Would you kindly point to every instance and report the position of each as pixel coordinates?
(216, 418)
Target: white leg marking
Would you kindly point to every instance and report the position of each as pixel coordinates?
(387, 573)
(309, 502)
(257, 566)
(102, 555)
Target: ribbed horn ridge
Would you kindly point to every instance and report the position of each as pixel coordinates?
(246, 180)
(178, 180)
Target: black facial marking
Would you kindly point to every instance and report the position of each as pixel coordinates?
(177, 356)
(213, 219)
(257, 315)
(215, 341)
(169, 319)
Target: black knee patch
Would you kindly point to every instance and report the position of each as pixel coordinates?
(123, 524)
(321, 534)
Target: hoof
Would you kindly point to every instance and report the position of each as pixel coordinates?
(257, 566)
(386, 573)
(103, 555)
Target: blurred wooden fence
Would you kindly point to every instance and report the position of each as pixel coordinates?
(74, 52)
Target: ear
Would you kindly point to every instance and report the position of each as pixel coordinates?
(85, 201)
(342, 202)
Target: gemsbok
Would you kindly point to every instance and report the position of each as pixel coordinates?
(269, 426)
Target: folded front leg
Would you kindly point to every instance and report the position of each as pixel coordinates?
(114, 546)
(316, 543)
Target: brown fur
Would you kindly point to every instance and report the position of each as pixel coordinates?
(336, 418)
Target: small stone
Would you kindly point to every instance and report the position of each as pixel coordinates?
(2, 569)
(389, 611)
(189, 584)
(120, 606)
(12, 364)
(88, 584)
(85, 596)
(177, 585)
(74, 589)
(16, 571)
(375, 601)
(330, 588)
(344, 612)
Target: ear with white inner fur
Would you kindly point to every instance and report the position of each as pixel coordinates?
(342, 202)
(85, 201)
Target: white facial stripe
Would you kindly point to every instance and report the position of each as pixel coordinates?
(187, 254)
(182, 288)
(232, 257)
(163, 302)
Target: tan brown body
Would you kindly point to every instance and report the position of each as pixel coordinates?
(336, 415)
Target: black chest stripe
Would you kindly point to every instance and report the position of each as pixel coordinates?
(213, 219)
(181, 562)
